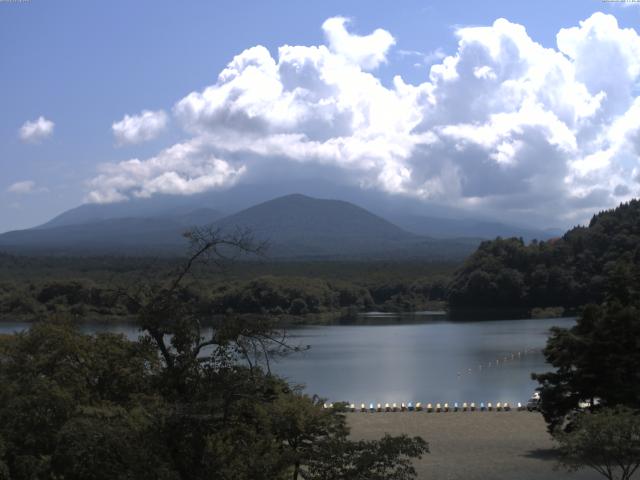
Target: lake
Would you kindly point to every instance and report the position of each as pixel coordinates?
(409, 358)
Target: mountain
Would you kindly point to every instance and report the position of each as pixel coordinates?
(179, 209)
(411, 214)
(295, 226)
(439, 227)
(301, 226)
(129, 235)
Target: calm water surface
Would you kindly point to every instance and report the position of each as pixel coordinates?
(409, 359)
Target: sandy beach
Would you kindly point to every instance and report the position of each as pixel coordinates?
(473, 445)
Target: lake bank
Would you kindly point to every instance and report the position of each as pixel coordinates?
(472, 445)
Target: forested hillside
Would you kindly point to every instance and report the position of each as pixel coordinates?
(586, 265)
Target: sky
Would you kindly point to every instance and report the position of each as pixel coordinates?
(525, 111)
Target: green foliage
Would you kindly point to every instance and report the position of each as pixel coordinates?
(588, 264)
(386, 459)
(275, 295)
(88, 288)
(48, 372)
(598, 358)
(106, 443)
(99, 407)
(607, 441)
(4, 469)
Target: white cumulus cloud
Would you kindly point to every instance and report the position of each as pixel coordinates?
(500, 124)
(36, 130)
(140, 128)
(23, 187)
(181, 169)
(368, 51)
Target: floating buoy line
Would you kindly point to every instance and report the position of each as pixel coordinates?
(454, 407)
(432, 408)
(499, 362)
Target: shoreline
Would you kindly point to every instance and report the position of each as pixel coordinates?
(473, 445)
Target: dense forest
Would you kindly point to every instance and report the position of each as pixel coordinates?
(586, 265)
(89, 288)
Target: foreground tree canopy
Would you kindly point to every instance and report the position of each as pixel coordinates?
(597, 362)
(607, 442)
(184, 401)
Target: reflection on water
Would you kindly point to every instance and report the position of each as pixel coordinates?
(409, 358)
(431, 361)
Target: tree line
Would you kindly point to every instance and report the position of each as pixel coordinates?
(583, 266)
(269, 295)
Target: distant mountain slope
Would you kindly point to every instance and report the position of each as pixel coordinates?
(295, 226)
(178, 209)
(135, 235)
(439, 227)
(301, 226)
(113, 236)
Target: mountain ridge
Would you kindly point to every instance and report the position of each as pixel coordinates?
(418, 217)
(295, 226)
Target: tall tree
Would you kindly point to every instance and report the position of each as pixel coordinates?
(596, 361)
(607, 442)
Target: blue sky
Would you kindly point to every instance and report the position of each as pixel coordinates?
(85, 65)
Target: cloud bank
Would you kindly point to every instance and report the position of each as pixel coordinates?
(140, 128)
(36, 130)
(500, 125)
